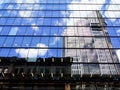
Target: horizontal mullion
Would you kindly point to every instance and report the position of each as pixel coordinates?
(95, 62)
(54, 36)
(52, 10)
(58, 17)
(65, 3)
(30, 47)
(12, 25)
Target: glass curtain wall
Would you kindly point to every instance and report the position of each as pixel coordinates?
(88, 31)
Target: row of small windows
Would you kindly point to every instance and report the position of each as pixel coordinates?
(96, 69)
(50, 52)
(51, 13)
(51, 21)
(57, 6)
(32, 30)
(90, 69)
(17, 41)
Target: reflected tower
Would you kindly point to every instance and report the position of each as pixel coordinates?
(88, 42)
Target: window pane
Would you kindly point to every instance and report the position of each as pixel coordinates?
(13, 31)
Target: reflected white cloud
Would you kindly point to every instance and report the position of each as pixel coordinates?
(118, 54)
(32, 53)
(113, 7)
(25, 13)
(118, 32)
(82, 7)
(27, 1)
(13, 31)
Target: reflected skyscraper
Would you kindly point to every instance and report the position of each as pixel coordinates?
(90, 42)
(59, 44)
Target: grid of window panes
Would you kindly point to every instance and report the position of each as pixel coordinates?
(57, 28)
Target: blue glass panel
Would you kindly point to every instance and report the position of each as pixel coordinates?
(40, 13)
(3, 21)
(13, 53)
(51, 41)
(26, 21)
(2, 40)
(6, 14)
(0, 29)
(5, 30)
(1, 13)
(39, 21)
(55, 22)
(10, 21)
(49, 7)
(30, 30)
(44, 40)
(48, 13)
(8, 41)
(4, 52)
(4, 6)
(35, 41)
(115, 42)
(55, 13)
(35, 14)
(45, 31)
(54, 30)
(17, 41)
(26, 41)
(14, 13)
(62, 7)
(59, 41)
(17, 21)
(60, 52)
(21, 31)
(47, 21)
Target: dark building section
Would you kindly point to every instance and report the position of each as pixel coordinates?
(45, 73)
(50, 74)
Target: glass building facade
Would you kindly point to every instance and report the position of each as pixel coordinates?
(86, 30)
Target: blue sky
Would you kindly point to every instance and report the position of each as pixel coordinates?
(56, 26)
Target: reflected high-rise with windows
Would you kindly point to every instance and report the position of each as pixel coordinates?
(90, 44)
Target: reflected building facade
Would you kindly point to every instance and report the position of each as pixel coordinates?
(59, 44)
(89, 43)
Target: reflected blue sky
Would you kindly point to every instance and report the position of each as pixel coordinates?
(35, 20)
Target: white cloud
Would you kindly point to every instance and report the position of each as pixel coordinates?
(118, 54)
(13, 31)
(118, 32)
(27, 1)
(2, 1)
(79, 6)
(113, 7)
(31, 53)
(25, 13)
